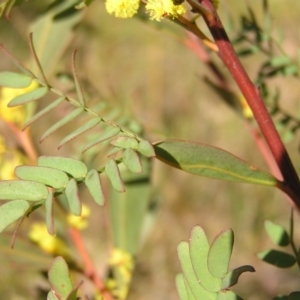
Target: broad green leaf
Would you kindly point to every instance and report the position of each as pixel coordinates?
(106, 135)
(14, 80)
(277, 258)
(49, 213)
(28, 97)
(59, 278)
(129, 212)
(48, 176)
(294, 296)
(113, 173)
(186, 265)
(208, 161)
(199, 248)
(125, 142)
(188, 290)
(132, 161)
(277, 233)
(84, 128)
(69, 117)
(228, 295)
(232, 277)
(44, 111)
(146, 149)
(93, 183)
(73, 197)
(11, 212)
(52, 34)
(219, 253)
(22, 190)
(183, 294)
(73, 167)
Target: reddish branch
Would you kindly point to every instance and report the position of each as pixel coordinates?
(227, 54)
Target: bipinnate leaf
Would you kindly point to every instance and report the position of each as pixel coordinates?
(228, 295)
(125, 142)
(59, 278)
(294, 296)
(84, 128)
(277, 233)
(277, 258)
(186, 265)
(232, 277)
(199, 248)
(14, 80)
(182, 291)
(44, 111)
(132, 161)
(108, 134)
(208, 161)
(219, 253)
(113, 173)
(48, 176)
(93, 183)
(73, 197)
(12, 211)
(49, 213)
(69, 117)
(22, 190)
(28, 97)
(73, 167)
(146, 149)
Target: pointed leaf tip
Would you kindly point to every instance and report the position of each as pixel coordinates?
(277, 233)
(208, 161)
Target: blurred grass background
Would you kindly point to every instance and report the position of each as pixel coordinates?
(145, 68)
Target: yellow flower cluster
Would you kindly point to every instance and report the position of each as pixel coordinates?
(79, 222)
(157, 9)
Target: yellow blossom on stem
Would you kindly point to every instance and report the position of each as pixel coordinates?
(122, 8)
(161, 8)
(79, 222)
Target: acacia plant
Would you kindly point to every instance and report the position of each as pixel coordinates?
(118, 174)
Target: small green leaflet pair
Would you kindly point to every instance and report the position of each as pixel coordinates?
(205, 267)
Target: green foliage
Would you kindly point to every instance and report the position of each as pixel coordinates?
(205, 268)
(208, 161)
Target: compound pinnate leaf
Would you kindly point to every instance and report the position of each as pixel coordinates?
(28, 97)
(103, 137)
(125, 142)
(186, 265)
(44, 111)
(69, 117)
(232, 277)
(14, 80)
(22, 190)
(132, 161)
(146, 149)
(73, 197)
(73, 167)
(49, 213)
(277, 258)
(87, 126)
(12, 211)
(59, 278)
(228, 295)
(208, 161)
(113, 173)
(93, 183)
(48, 176)
(199, 248)
(180, 284)
(277, 233)
(219, 253)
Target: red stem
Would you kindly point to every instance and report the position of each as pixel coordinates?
(251, 93)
